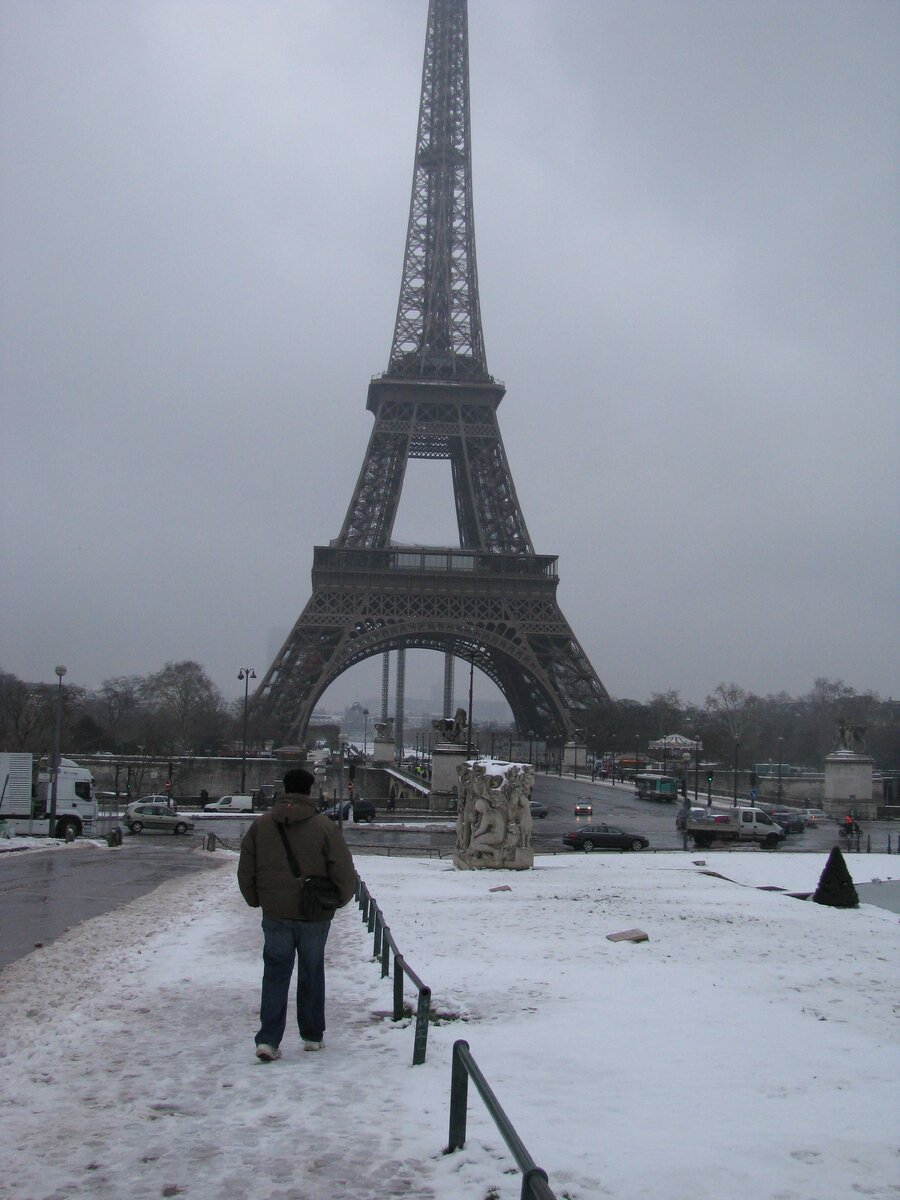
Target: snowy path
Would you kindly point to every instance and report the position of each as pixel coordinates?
(748, 1050)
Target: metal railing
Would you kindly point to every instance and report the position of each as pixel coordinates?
(535, 1185)
(384, 944)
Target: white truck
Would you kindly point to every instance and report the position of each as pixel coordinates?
(26, 792)
(735, 825)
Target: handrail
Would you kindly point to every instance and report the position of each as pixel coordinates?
(383, 945)
(535, 1185)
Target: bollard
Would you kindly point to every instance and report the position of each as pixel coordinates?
(209, 842)
(868, 843)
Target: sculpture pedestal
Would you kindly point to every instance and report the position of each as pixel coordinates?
(446, 757)
(848, 784)
(383, 752)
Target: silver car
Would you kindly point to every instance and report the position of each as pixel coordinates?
(154, 813)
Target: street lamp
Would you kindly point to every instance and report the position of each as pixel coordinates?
(365, 735)
(637, 751)
(734, 799)
(780, 748)
(469, 720)
(245, 673)
(614, 759)
(60, 671)
(696, 765)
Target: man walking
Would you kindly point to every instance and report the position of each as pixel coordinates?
(290, 843)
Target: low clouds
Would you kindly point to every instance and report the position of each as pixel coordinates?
(688, 260)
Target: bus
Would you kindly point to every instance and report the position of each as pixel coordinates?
(648, 786)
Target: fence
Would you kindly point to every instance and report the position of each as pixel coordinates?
(383, 945)
(534, 1178)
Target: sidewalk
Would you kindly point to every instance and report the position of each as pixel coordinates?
(127, 1064)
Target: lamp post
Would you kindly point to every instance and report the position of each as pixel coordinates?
(637, 751)
(614, 760)
(780, 748)
(469, 717)
(60, 671)
(246, 674)
(734, 793)
(365, 735)
(696, 765)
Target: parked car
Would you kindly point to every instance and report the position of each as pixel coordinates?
(813, 816)
(356, 810)
(790, 822)
(584, 808)
(154, 813)
(537, 809)
(603, 837)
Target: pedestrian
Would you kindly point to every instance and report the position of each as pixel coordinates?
(286, 845)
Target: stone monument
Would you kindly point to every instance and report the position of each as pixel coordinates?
(383, 749)
(446, 756)
(848, 774)
(493, 828)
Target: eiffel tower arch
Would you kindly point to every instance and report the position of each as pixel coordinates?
(491, 600)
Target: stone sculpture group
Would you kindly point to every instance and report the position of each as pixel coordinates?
(493, 827)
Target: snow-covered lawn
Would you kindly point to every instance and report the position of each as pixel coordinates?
(747, 1051)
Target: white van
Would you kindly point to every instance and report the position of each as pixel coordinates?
(230, 804)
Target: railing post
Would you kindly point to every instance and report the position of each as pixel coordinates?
(420, 1041)
(398, 987)
(373, 909)
(528, 1177)
(385, 954)
(459, 1096)
(376, 947)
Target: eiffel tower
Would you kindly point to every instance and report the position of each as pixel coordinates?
(492, 600)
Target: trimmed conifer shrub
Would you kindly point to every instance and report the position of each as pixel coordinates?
(835, 885)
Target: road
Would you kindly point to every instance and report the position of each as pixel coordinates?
(45, 893)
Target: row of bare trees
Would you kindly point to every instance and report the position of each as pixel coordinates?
(798, 730)
(175, 710)
(179, 710)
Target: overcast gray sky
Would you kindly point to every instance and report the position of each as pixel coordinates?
(686, 218)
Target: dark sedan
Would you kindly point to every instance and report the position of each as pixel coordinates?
(790, 822)
(603, 837)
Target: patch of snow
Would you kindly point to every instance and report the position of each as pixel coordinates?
(744, 1050)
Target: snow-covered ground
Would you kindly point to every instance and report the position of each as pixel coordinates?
(748, 1050)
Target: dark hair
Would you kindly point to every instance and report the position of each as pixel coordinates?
(298, 780)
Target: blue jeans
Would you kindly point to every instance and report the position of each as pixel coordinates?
(284, 940)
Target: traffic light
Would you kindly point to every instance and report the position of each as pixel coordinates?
(754, 779)
(709, 776)
(684, 786)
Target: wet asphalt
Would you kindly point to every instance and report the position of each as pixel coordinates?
(45, 894)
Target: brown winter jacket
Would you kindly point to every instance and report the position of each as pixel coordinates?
(264, 875)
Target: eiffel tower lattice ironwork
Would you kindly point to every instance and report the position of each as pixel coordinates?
(492, 599)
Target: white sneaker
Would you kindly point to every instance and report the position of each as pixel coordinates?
(313, 1045)
(267, 1053)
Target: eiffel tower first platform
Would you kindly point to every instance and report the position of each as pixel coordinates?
(491, 600)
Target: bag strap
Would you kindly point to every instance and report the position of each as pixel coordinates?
(292, 862)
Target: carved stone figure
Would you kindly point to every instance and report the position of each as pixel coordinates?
(452, 728)
(384, 730)
(851, 737)
(493, 828)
